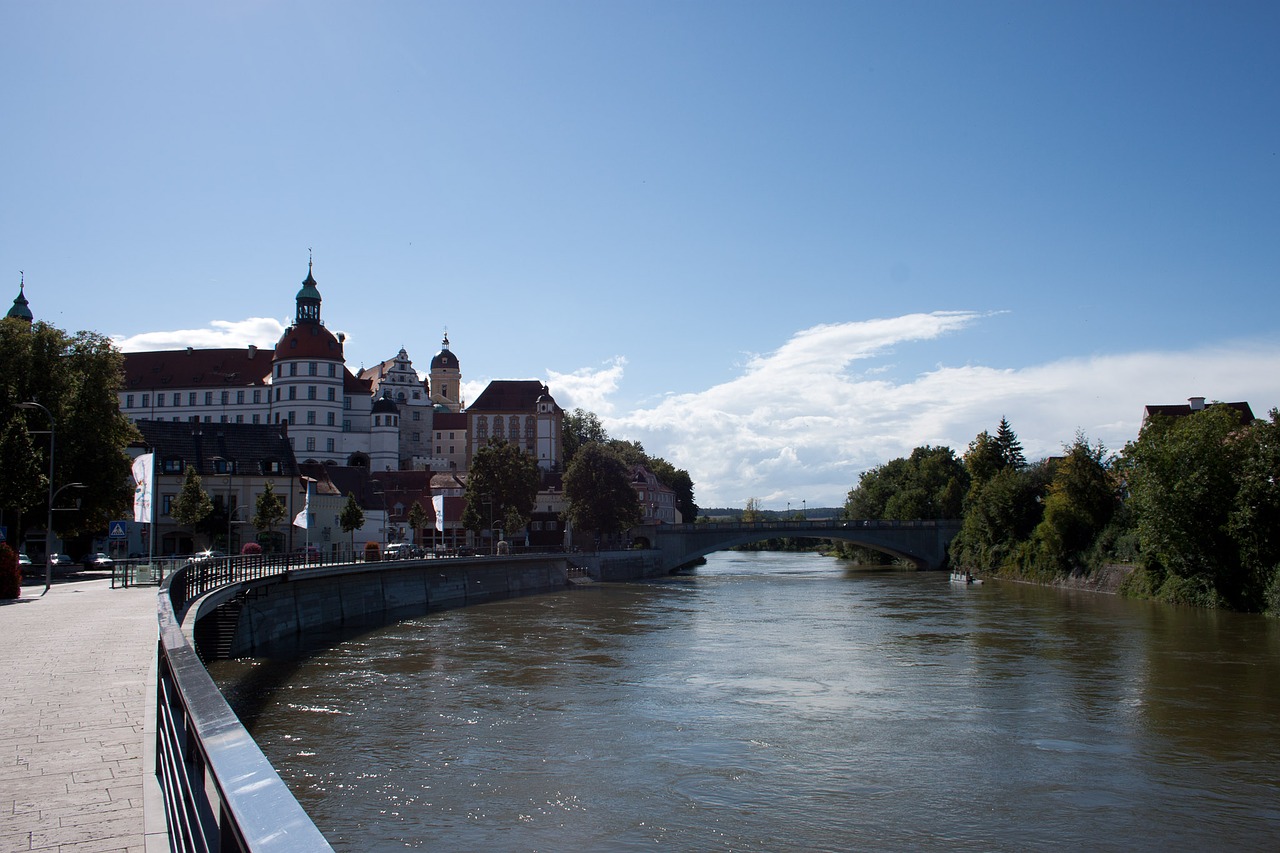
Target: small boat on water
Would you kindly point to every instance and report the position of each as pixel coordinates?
(965, 577)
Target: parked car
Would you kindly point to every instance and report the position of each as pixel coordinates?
(206, 555)
(403, 551)
(25, 564)
(97, 560)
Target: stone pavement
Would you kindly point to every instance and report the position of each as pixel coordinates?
(77, 696)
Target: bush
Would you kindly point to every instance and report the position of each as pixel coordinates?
(10, 573)
(251, 548)
(371, 552)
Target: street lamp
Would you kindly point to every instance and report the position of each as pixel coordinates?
(230, 468)
(48, 530)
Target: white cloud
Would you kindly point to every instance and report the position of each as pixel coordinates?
(259, 331)
(796, 425)
(587, 388)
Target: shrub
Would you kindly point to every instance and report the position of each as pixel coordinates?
(251, 548)
(371, 552)
(10, 573)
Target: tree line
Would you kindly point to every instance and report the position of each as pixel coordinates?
(1193, 504)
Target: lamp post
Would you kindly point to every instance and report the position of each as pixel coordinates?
(48, 530)
(230, 469)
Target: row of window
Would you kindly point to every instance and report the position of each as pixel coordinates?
(313, 369)
(482, 427)
(178, 465)
(311, 394)
(163, 400)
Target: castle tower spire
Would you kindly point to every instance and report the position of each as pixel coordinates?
(20, 311)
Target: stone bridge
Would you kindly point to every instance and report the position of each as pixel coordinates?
(923, 543)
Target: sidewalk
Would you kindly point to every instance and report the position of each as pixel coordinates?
(77, 676)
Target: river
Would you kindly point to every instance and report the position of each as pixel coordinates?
(771, 701)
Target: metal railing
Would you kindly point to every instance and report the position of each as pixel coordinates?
(220, 791)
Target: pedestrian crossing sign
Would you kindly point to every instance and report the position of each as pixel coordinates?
(117, 530)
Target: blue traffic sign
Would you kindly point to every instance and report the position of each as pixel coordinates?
(117, 530)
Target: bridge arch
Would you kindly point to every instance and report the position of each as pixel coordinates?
(922, 543)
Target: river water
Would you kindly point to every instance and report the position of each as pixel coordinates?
(772, 701)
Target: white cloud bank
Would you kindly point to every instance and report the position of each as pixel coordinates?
(259, 331)
(797, 425)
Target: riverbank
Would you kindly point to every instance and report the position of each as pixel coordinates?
(1107, 580)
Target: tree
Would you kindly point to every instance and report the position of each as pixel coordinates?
(75, 377)
(351, 518)
(752, 511)
(1183, 487)
(417, 519)
(598, 489)
(502, 478)
(1254, 520)
(580, 427)
(1010, 447)
(268, 511)
(929, 484)
(1081, 501)
(23, 485)
(193, 504)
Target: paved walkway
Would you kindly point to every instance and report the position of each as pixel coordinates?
(77, 676)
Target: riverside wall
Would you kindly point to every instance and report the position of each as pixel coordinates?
(291, 608)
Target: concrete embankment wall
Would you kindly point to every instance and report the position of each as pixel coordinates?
(285, 609)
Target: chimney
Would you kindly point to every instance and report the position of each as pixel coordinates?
(1197, 403)
(253, 350)
(190, 350)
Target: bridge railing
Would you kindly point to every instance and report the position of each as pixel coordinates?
(808, 524)
(220, 792)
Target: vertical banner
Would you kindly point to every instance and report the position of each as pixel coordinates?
(437, 503)
(143, 469)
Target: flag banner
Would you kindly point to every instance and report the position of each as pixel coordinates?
(142, 467)
(437, 503)
(302, 519)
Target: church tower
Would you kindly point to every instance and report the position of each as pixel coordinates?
(20, 311)
(445, 379)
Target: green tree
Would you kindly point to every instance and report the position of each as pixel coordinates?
(598, 489)
(1000, 515)
(193, 504)
(1254, 521)
(75, 377)
(580, 427)
(1010, 447)
(753, 511)
(351, 518)
(417, 519)
(23, 484)
(929, 484)
(502, 478)
(1183, 487)
(268, 512)
(1080, 503)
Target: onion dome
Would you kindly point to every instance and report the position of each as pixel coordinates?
(20, 311)
(384, 405)
(444, 359)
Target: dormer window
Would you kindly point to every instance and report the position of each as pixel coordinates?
(172, 465)
(271, 466)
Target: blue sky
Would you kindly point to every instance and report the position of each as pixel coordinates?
(778, 243)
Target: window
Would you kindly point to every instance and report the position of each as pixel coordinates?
(195, 419)
(329, 418)
(257, 396)
(208, 419)
(346, 426)
(226, 397)
(346, 404)
(256, 419)
(311, 418)
(239, 398)
(417, 436)
(311, 442)
(417, 416)
(444, 390)
(223, 466)
(329, 444)
(167, 502)
(311, 368)
(271, 466)
(437, 450)
(160, 400)
(277, 393)
(172, 465)
(208, 398)
(451, 436)
(146, 400)
(293, 368)
(417, 395)
(333, 369)
(225, 419)
(293, 392)
(311, 392)
(191, 398)
(279, 370)
(239, 419)
(128, 401)
(451, 449)
(331, 395)
(292, 417)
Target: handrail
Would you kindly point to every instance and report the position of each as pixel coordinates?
(220, 791)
